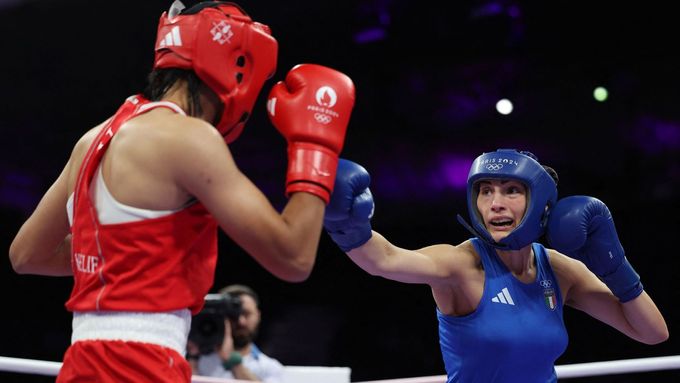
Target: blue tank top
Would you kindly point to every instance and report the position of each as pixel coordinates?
(515, 334)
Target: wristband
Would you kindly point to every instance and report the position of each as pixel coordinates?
(234, 360)
(311, 169)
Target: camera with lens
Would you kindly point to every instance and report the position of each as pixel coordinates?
(207, 327)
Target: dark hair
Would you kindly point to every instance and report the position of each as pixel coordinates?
(161, 80)
(238, 290)
(552, 172)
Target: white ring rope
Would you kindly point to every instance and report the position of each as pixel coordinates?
(624, 366)
(29, 366)
(41, 367)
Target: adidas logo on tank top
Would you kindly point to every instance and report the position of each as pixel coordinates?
(503, 297)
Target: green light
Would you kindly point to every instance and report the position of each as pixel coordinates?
(600, 94)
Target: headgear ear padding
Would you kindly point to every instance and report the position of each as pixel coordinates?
(229, 52)
(541, 194)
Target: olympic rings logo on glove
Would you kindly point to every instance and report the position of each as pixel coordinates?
(494, 167)
(322, 118)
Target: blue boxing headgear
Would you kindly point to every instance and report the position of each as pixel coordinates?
(541, 193)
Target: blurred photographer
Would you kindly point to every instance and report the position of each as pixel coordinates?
(228, 351)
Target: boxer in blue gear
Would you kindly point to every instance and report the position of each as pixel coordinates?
(500, 294)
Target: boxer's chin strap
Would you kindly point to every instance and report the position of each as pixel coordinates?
(477, 234)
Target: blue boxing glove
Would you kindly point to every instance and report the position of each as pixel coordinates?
(349, 212)
(582, 228)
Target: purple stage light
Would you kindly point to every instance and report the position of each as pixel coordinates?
(455, 171)
(19, 191)
(654, 135)
(370, 35)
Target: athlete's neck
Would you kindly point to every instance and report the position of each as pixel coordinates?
(210, 105)
(519, 262)
(177, 94)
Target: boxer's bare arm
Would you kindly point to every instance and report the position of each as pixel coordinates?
(43, 243)
(283, 243)
(41, 246)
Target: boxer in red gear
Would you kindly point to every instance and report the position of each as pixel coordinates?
(133, 216)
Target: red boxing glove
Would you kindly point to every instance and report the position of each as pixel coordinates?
(311, 109)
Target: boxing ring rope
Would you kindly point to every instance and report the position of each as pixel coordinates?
(29, 366)
(42, 367)
(624, 366)
(579, 370)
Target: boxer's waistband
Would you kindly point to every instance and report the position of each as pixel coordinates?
(167, 329)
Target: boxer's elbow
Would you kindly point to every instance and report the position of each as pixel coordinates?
(659, 336)
(297, 268)
(20, 258)
(295, 276)
(27, 259)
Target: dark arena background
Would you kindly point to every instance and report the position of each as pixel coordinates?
(428, 76)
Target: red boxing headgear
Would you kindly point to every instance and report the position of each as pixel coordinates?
(229, 52)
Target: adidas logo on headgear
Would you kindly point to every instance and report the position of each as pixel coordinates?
(171, 39)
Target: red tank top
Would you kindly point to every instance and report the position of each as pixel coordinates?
(152, 265)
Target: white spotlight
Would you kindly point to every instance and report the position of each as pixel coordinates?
(504, 106)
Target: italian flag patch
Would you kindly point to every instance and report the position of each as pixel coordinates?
(550, 298)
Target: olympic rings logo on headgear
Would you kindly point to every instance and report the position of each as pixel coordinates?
(326, 96)
(322, 118)
(494, 167)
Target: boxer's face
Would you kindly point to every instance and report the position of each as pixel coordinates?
(501, 204)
